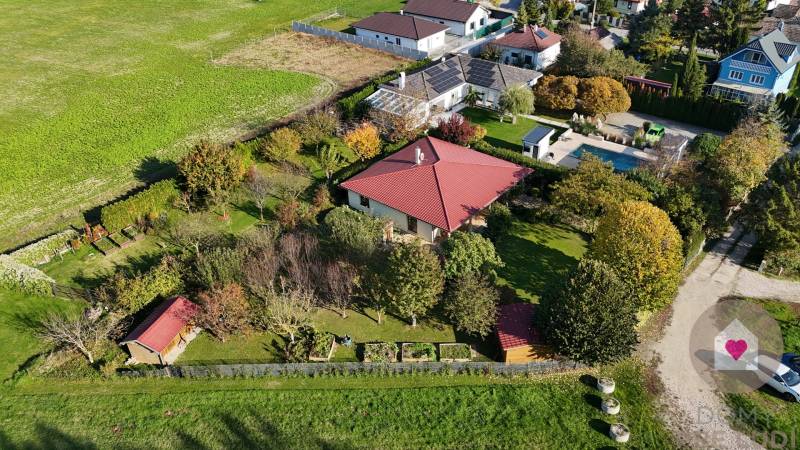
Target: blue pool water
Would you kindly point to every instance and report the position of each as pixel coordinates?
(620, 161)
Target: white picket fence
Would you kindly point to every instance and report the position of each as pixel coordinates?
(376, 44)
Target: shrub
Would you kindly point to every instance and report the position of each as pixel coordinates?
(419, 350)
(783, 262)
(456, 129)
(354, 233)
(153, 201)
(468, 253)
(498, 221)
(130, 293)
(315, 127)
(556, 93)
(364, 140)
(223, 311)
(471, 304)
(602, 95)
(591, 317)
(321, 343)
(210, 171)
(16, 276)
(645, 248)
(412, 280)
(380, 352)
(219, 266)
(40, 251)
(707, 112)
(454, 351)
(281, 144)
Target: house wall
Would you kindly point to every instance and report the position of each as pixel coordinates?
(429, 43)
(527, 353)
(734, 63)
(143, 354)
(783, 80)
(425, 230)
(461, 28)
(539, 60)
(629, 7)
(451, 97)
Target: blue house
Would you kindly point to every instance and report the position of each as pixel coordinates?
(759, 70)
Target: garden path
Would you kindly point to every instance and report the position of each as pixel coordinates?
(693, 409)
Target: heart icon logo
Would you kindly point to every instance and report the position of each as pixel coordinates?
(736, 348)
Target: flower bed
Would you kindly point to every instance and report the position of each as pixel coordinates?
(418, 352)
(133, 233)
(322, 347)
(120, 239)
(105, 246)
(380, 352)
(454, 352)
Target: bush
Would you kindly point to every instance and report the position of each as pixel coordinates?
(602, 95)
(131, 293)
(16, 276)
(317, 126)
(498, 221)
(454, 351)
(591, 317)
(783, 262)
(471, 304)
(153, 201)
(456, 129)
(354, 233)
(468, 253)
(419, 350)
(210, 171)
(380, 352)
(219, 266)
(364, 140)
(40, 251)
(556, 93)
(321, 343)
(281, 144)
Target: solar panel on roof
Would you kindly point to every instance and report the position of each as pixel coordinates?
(541, 34)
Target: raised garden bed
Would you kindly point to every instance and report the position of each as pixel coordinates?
(120, 239)
(322, 347)
(455, 352)
(105, 246)
(418, 352)
(380, 352)
(133, 233)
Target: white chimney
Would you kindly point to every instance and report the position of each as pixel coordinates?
(419, 157)
(536, 28)
(402, 83)
(401, 12)
(780, 25)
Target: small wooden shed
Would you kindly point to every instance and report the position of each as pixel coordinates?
(164, 334)
(520, 340)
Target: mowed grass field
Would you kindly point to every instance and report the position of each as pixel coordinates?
(96, 95)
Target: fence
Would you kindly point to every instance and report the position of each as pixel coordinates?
(360, 40)
(312, 369)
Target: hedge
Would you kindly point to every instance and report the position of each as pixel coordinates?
(19, 277)
(544, 174)
(352, 106)
(706, 112)
(40, 251)
(156, 199)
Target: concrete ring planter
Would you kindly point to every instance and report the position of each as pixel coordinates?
(606, 385)
(610, 406)
(619, 433)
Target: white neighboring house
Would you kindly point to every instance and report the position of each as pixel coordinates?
(439, 88)
(531, 47)
(405, 31)
(463, 18)
(629, 7)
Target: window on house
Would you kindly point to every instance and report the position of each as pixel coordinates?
(483, 21)
(528, 59)
(616, 3)
(472, 26)
(364, 201)
(377, 36)
(755, 57)
(630, 5)
(756, 79)
(397, 41)
(386, 38)
(411, 223)
(514, 55)
(735, 75)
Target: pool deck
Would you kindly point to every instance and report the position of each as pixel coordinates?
(566, 145)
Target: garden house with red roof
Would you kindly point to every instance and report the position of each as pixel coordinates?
(432, 187)
(164, 334)
(519, 339)
(532, 47)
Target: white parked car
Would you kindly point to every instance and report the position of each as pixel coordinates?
(783, 379)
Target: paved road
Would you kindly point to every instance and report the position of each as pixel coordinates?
(693, 409)
(629, 122)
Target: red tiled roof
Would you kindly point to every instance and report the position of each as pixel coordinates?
(400, 25)
(515, 326)
(163, 324)
(456, 10)
(530, 38)
(452, 183)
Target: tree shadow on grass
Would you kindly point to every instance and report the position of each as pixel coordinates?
(152, 169)
(530, 266)
(47, 437)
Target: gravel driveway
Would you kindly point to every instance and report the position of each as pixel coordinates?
(694, 410)
(628, 122)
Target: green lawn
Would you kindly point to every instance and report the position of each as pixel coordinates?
(764, 411)
(500, 134)
(419, 411)
(19, 315)
(667, 71)
(537, 254)
(96, 96)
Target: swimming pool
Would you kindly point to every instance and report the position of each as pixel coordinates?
(620, 161)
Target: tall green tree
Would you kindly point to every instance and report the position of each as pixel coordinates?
(773, 209)
(210, 171)
(651, 34)
(692, 22)
(467, 253)
(694, 74)
(471, 304)
(516, 100)
(733, 22)
(412, 280)
(591, 317)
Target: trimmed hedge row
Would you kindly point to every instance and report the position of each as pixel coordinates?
(42, 250)
(544, 174)
(154, 200)
(352, 106)
(706, 112)
(18, 277)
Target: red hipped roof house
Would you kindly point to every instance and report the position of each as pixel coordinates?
(163, 335)
(532, 47)
(432, 187)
